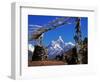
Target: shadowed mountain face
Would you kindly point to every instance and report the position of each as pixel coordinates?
(39, 53)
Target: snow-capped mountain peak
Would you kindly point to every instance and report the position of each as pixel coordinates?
(60, 39)
(70, 43)
(58, 46)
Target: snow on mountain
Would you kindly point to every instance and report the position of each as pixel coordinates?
(70, 43)
(30, 51)
(68, 46)
(31, 47)
(58, 47)
(60, 40)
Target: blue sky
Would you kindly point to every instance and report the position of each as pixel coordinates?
(66, 31)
